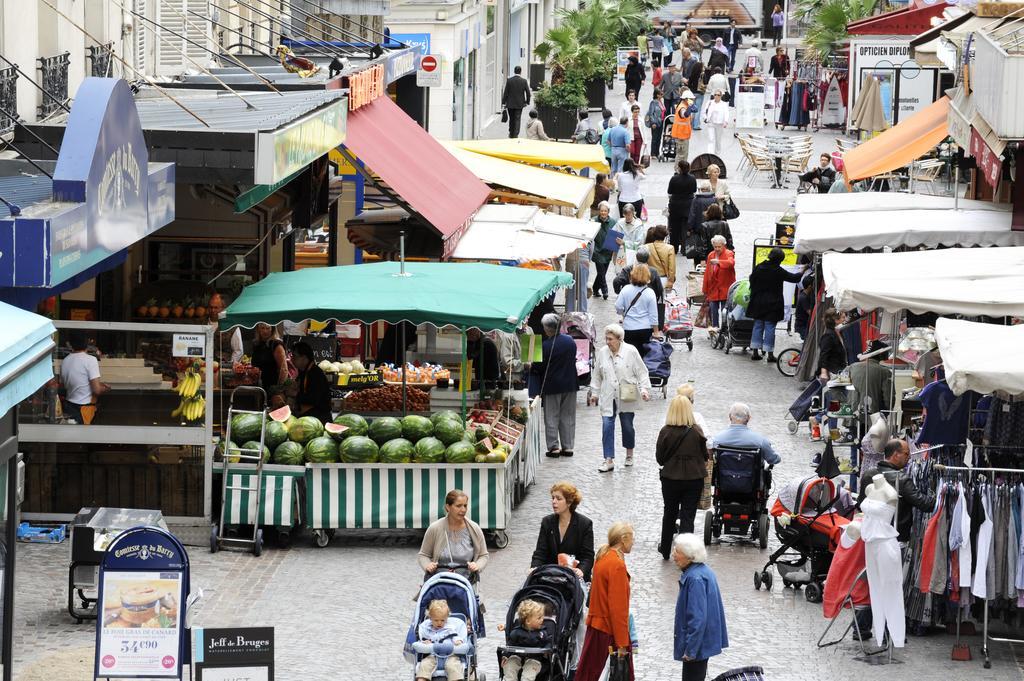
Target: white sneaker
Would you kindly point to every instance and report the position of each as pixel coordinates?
(629, 459)
(606, 466)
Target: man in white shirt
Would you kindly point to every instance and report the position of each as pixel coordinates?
(80, 376)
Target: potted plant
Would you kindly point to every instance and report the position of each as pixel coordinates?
(558, 107)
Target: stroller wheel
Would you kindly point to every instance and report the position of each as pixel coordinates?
(757, 580)
(709, 521)
(792, 427)
(766, 578)
(762, 531)
(813, 592)
(689, 345)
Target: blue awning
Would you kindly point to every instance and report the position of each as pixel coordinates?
(26, 345)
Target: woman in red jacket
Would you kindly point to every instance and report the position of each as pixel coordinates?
(718, 277)
(608, 617)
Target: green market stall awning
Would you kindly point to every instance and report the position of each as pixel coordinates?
(463, 294)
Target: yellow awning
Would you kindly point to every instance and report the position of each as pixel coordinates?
(536, 153)
(555, 188)
(901, 145)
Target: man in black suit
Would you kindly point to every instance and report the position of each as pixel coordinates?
(733, 40)
(515, 98)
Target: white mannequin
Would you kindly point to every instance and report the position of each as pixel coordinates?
(852, 529)
(881, 490)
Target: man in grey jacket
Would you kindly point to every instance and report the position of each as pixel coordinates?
(671, 82)
(514, 98)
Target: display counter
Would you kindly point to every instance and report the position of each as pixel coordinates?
(140, 450)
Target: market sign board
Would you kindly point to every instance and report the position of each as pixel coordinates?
(188, 345)
(420, 40)
(235, 654)
(144, 584)
(281, 152)
(401, 63)
(622, 56)
(906, 87)
(106, 195)
(365, 86)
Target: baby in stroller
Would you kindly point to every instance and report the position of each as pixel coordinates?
(445, 633)
(535, 628)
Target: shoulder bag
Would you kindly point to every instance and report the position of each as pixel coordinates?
(618, 666)
(729, 209)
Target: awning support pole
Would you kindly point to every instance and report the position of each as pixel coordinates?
(401, 256)
(464, 371)
(956, 187)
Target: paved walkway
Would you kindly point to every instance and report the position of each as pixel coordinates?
(341, 612)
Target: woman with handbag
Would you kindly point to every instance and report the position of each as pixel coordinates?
(608, 616)
(681, 189)
(717, 118)
(655, 120)
(698, 247)
(682, 453)
(720, 188)
(638, 305)
(620, 380)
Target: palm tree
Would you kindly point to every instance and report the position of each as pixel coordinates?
(828, 20)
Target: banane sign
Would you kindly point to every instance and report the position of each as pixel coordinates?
(281, 152)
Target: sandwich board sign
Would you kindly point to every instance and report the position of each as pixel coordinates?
(235, 654)
(144, 584)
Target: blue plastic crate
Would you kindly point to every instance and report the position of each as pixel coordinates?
(42, 534)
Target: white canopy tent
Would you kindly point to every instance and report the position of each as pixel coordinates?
(511, 232)
(965, 281)
(860, 202)
(875, 230)
(985, 358)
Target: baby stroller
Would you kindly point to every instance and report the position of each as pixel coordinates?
(734, 328)
(808, 401)
(668, 143)
(815, 515)
(657, 358)
(580, 327)
(678, 322)
(462, 604)
(740, 497)
(559, 590)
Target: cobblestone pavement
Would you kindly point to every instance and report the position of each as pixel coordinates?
(341, 612)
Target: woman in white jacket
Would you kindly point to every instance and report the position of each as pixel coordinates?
(620, 380)
(717, 118)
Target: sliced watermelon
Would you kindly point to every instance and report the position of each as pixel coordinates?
(281, 415)
(336, 430)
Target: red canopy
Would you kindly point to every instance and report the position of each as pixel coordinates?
(417, 167)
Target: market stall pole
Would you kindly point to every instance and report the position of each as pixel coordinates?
(368, 494)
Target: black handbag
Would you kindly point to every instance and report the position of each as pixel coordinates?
(618, 666)
(729, 209)
(695, 247)
(504, 115)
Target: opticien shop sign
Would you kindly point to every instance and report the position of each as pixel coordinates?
(281, 152)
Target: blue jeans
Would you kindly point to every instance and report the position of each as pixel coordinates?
(699, 103)
(763, 337)
(619, 155)
(608, 431)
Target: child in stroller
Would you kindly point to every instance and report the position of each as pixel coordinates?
(445, 633)
(534, 629)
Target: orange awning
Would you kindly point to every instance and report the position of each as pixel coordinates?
(900, 145)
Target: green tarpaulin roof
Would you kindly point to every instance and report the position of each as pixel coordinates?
(464, 294)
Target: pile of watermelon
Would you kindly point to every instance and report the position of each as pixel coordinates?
(351, 438)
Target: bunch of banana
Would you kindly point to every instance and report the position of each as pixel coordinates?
(193, 408)
(188, 386)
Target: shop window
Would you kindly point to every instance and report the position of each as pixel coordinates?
(490, 19)
(185, 261)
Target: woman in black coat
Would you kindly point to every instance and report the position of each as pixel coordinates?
(767, 307)
(635, 76)
(831, 351)
(566, 532)
(681, 189)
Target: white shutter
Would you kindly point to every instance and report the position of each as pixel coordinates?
(141, 37)
(171, 49)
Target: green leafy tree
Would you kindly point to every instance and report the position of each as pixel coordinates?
(827, 21)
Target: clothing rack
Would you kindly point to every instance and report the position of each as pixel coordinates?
(985, 638)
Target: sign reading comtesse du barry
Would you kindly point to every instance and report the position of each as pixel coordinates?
(238, 653)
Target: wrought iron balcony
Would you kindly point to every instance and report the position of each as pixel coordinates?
(54, 79)
(100, 58)
(8, 97)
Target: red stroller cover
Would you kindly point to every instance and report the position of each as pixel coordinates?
(847, 565)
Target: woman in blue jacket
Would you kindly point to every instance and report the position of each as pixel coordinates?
(555, 379)
(700, 616)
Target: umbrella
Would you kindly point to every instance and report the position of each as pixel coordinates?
(868, 114)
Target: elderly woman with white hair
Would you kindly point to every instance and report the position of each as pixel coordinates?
(620, 379)
(700, 630)
(555, 380)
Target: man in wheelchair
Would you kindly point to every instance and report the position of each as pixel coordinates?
(739, 435)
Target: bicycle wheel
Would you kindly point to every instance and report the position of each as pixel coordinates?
(787, 361)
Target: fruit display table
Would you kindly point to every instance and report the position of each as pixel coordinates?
(279, 504)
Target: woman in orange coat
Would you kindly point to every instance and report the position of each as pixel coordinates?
(718, 277)
(608, 617)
